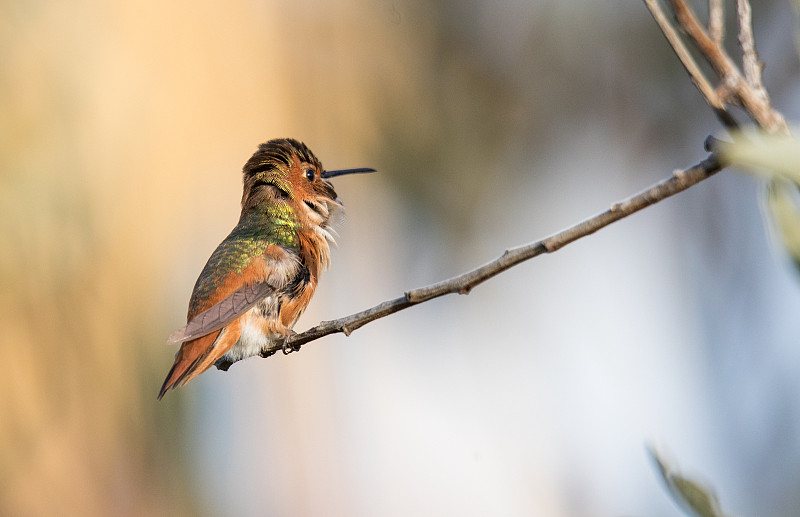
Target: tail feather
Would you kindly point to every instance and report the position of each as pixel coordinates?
(187, 361)
(226, 340)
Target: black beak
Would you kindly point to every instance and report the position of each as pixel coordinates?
(330, 174)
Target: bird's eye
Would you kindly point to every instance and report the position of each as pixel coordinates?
(310, 174)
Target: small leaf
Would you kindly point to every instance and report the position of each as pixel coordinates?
(693, 497)
(783, 204)
(776, 158)
(764, 155)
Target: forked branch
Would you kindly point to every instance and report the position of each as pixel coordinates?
(742, 87)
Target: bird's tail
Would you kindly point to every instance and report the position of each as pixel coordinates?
(197, 356)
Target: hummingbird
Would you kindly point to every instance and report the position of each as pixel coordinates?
(260, 279)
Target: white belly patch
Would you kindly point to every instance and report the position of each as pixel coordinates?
(252, 340)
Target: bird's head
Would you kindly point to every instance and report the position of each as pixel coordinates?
(284, 171)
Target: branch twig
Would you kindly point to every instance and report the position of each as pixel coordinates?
(716, 21)
(463, 284)
(695, 74)
(750, 62)
(735, 88)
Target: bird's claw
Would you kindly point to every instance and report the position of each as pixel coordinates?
(287, 348)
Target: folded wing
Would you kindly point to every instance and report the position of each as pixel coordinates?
(222, 312)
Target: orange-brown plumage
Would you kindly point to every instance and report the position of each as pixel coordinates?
(261, 278)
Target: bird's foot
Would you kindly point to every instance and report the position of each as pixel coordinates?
(286, 347)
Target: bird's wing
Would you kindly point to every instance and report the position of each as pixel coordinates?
(237, 276)
(222, 312)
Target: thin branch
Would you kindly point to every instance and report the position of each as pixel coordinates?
(732, 83)
(713, 52)
(750, 62)
(716, 56)
(684, 55)
(752, 92)
(464, 283)
(716, 21)
(698, 78)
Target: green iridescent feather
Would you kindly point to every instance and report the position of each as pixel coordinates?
(257, 229)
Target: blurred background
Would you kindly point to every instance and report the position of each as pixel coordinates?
(124, 128)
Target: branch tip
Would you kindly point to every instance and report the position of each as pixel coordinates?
(710, 144)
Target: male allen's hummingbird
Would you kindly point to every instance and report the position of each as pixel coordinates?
(260, 279)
